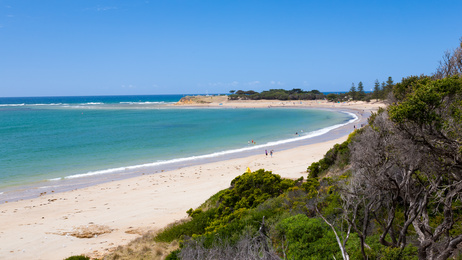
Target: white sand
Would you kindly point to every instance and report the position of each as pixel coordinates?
(36, 228)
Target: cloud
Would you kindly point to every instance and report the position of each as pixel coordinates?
(253, 83)
(102, 8)
(231, 84)
(223, 84)
(128, 86)
(105, 8)
(276, 83)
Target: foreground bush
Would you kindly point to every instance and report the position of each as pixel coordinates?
(306, 238)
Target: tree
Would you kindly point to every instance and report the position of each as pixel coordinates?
(232, 91)
(380, 172)
(383, 95)
(361, 94)
(296, 90)
(352, 92)
(332, 97)
(279, 94)
(376, 92)
(390, 83)
(388, 87)
(451, 64)
(407, 168)
(341, 240)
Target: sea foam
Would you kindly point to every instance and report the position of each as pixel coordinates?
(12, 105)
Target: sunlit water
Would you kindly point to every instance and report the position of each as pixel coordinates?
(70, 137)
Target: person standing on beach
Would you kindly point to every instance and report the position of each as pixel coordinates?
(266, 153)
(271, 153)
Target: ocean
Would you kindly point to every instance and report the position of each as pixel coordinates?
(61, 143)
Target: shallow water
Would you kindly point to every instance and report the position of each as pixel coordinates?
(45, 139)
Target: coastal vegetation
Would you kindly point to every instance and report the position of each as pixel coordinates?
(276, 94)
(406, 170)
(380, 92)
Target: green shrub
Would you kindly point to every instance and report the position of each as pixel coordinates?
(311, 187)
(251, 189)
(247, 191)
(78, 257)
(173, 255)
(199, 221)
(338, 156)
(314, 170)
(306, 238)
(409, 252)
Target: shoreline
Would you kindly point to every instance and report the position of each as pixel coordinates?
(39, 228)
(86, 179)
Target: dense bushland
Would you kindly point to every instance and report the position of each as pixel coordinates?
(282, 226)
(277, 94)
(380, 92)
(407, 169)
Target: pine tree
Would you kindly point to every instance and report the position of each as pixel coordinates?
(352, 92)
(376, 93)
(361, 94)
(389, 87)
(383, 95)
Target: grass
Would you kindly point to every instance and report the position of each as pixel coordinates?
(143, 248)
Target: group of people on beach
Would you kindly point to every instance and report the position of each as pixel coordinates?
(266, 151)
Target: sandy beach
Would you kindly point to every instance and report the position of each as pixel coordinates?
(222, 101)
(45, 227)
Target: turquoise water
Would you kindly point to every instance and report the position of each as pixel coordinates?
(54, 138)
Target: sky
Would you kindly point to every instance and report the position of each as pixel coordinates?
(112, 47)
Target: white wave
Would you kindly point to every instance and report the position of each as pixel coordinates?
(143, 103)
(212, 155)
(56, 179)
(12, 105)
(39, 104)
(93, 103)
(84, 106)
(47, 187)
(50, 104)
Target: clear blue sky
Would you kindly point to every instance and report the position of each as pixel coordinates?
(80, 47)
